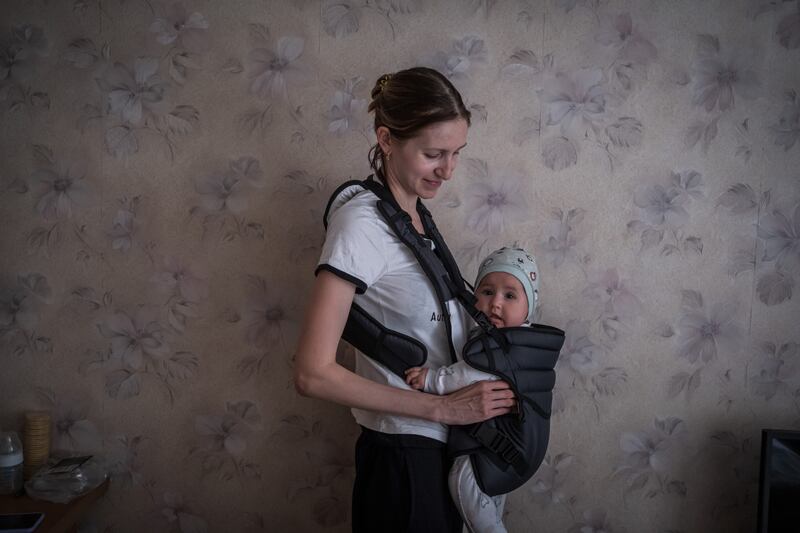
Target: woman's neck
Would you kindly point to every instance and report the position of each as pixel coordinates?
(407, 202)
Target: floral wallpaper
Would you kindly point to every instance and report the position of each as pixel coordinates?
(166, 165)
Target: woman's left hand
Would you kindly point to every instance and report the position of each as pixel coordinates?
(478, 402)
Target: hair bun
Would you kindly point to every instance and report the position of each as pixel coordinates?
(380, 85)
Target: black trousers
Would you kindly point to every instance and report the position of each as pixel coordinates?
(401, 485)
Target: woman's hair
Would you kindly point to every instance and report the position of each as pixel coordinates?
(409, 100)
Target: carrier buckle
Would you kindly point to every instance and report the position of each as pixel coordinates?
(496, 442)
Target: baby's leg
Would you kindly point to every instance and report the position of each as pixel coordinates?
(481, 513)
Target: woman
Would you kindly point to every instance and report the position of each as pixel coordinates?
(401, 470)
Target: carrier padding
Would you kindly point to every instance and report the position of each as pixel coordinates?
(392, 349)
(507, 450)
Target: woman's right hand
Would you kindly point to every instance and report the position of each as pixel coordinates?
(477, 402)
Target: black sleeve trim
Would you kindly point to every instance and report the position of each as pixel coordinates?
(361, 287)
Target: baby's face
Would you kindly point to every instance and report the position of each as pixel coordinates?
(502, 298)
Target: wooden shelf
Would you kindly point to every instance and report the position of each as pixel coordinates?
(58, 517)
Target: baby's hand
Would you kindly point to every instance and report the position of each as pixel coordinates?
(415, 377)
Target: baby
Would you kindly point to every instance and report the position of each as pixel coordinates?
(507, 289)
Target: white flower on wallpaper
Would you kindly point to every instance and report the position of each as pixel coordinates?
(493, 202)
(458, 63)
(787, 131)
(20, 308)
(264, 319)
(20, 53)
(274, 71)
(663, 206)
(582, 367)
(135, 338)
(347, 112)
(61, 189)
(580, 354)
(181, 517)
(618, 32)
(547, 485)
(136, 96)
(619, 307)
(140, 352)
(575, 101)
(651, 456)
(181, 28)
(704, 330)
(73, 431)
(262, 315)
(186, 34)
(21, 304)
(577, 104)
(223, 441)
(719, 77)
(614, 293)
(225, 196)
(775, 255)
(133, 92)
(182, 279)
(775, 370)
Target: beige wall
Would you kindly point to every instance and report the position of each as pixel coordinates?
(160, 214)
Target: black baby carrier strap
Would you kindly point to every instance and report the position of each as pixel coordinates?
(507, 450)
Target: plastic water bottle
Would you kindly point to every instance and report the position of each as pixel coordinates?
(11, 480)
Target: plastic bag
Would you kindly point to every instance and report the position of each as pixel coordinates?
(64, 479)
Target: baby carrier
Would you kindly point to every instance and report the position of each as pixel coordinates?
(505, 451)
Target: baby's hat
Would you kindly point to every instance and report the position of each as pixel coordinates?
(518, 263)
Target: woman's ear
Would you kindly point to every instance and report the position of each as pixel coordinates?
(384, 139)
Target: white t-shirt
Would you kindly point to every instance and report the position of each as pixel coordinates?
(391, 286)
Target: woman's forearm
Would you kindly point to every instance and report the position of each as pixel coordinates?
(475, 403)
(337, 384)
(317, 374)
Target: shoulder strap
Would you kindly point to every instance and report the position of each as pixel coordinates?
(459, 287)
(401, 224)
(439, 265)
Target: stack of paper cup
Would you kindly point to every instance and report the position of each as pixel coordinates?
(36, 441)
